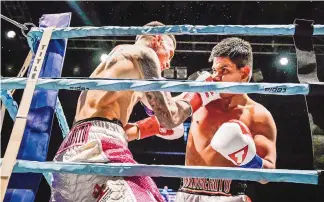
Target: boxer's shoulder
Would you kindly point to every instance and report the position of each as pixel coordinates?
(262, 121)
(139, 50)
(260, 113)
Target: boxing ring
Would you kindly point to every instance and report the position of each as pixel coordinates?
(42, 40)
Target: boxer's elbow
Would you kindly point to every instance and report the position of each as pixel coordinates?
(268, 164)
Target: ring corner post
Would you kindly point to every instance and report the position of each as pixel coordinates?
(24, 186)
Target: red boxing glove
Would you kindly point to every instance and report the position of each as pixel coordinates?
(150, 126)
(197, 100)
(194, 100)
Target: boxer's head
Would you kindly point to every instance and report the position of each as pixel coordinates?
(232, 60)
(163, 45)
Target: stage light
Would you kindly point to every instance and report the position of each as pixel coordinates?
(10, 68)
(284, 61)
(76, 70)
(181, 72)
(103, 57)
(11, 34)
(257, 75)
(168, 73)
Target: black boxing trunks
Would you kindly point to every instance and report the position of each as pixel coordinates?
(99, 140)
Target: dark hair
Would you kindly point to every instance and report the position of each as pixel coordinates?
(155, 24)
(238, 50)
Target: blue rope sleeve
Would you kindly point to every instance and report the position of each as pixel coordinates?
(246, 30)
(61, 118)
(113, 169)
(10, 104)
(49, 178)
(159, 85)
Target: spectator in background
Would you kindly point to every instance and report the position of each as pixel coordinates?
(165, 194)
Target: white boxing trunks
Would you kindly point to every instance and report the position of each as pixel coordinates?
(208, 189)
(99, 140)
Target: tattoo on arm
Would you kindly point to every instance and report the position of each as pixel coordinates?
(169, 113)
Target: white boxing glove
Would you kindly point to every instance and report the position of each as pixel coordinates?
(171, 134)
(199, 76)
(234, 141)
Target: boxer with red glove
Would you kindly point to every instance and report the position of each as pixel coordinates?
(235, 142)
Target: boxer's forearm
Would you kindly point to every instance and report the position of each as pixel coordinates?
(170, 113)
(132, 137)
(132, 132)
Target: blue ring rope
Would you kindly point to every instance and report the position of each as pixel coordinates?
(159, 85)
(61, 119)
(246, 30)
(12, 107)
(10, 104)
(114, 169)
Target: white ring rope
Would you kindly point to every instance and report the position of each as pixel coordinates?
(160, 85)
(120, 169)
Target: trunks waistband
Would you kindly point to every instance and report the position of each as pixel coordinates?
(93, 129)
(211, 186)
(114, 120)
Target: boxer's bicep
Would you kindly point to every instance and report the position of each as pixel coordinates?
(265, 134)
(175, 98)
(170, 113)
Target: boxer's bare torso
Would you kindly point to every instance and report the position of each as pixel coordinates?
(113, 104)
(207, 120)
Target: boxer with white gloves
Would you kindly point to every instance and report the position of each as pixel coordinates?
(231, 131)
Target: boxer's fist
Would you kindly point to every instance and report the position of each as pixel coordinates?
(206, 97)
(150, 126)
(197, 100)
(235, 142)
(200, 76)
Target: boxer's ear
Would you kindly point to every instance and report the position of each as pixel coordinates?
(154, 42)
(158, 37)
(245, 72)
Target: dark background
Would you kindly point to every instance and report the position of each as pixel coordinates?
(294, 143)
